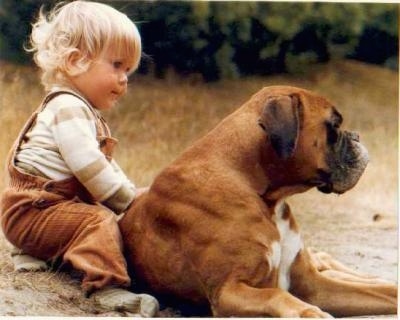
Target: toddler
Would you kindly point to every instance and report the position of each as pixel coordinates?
(65, 190)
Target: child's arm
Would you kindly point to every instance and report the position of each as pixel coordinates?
(115, 201)
(75, 134)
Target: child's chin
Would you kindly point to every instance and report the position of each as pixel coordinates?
(107, 106)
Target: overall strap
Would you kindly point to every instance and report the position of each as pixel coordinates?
(101, 126)
(102, 129)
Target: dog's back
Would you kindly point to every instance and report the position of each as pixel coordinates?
(183, 236)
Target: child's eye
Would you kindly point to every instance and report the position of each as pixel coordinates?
(117, 64)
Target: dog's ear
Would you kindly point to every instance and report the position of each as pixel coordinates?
(280, 120)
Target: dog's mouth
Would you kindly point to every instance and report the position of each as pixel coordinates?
(324, 182)
(326, 188)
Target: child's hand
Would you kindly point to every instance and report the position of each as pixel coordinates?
(140, 191)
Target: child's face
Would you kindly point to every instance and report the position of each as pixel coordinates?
(105, 81)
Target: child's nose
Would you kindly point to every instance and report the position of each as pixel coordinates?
(123, 78)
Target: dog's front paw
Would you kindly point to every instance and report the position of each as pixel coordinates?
(314, 312)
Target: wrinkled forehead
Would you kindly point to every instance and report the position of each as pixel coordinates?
(316, 104)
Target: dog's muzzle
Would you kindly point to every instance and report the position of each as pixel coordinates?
(346, 161)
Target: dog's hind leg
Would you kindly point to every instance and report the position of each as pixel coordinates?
(240, 300)
(340, 291)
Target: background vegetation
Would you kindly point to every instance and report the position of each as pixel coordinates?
(231, 39)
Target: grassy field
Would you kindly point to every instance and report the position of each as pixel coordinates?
(159, 118)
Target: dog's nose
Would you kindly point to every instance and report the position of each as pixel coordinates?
(354, 136)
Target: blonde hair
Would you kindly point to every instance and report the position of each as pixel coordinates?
(89, 27)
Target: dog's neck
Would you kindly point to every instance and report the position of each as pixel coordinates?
(273, 195)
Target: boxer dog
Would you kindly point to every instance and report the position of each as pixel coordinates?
(215, 229)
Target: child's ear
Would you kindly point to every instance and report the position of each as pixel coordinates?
(74, 62)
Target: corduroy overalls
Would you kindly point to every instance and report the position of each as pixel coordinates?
(51, 219)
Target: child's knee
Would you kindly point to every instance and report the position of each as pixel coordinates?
(103, 221)
(105, 217)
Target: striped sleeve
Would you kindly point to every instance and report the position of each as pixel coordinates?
(74, 131)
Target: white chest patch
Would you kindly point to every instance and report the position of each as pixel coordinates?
(285, 251)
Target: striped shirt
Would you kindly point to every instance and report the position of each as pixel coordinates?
(63, 143)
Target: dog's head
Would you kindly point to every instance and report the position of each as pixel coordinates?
(304, 132)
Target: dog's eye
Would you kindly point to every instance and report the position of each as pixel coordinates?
(332, 133)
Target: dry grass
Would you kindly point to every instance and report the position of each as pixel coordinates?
(159, 118)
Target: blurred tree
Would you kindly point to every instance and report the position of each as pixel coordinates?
(15, 19)
(230, 39)
(379, 41)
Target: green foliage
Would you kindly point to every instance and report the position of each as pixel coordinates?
(233, 38)
(13, 29)
(229, 39)
(15, 19)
